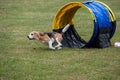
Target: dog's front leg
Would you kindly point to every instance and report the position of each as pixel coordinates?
(50, 44)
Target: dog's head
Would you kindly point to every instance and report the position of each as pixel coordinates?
(34, 35)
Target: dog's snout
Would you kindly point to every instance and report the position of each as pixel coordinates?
(27, 36)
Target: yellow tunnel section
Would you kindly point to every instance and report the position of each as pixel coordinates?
(65, 15)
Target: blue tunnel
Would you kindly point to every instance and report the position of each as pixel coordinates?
(104, 24)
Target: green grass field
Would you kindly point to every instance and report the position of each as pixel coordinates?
(21, 59)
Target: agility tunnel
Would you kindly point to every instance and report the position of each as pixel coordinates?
(104, 22)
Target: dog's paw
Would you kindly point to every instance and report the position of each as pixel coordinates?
(58, 48)
(52, 48)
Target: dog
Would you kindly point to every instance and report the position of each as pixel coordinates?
(49, 38)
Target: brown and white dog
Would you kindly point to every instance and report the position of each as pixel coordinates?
(49, 38)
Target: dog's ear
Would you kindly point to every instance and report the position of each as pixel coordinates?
(41, 33)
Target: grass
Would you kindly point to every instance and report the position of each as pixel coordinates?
(21, 59)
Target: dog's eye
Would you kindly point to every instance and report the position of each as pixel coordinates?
(31, 34)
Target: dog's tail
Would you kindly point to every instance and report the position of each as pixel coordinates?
(65, 28)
